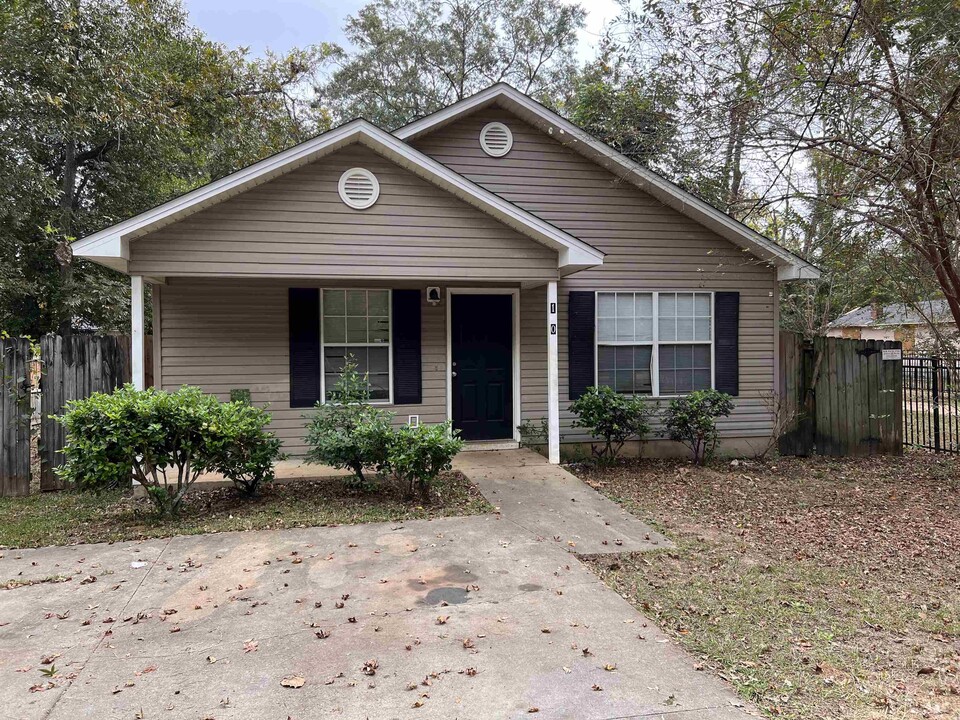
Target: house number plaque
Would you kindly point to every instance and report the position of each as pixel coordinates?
(553, 328)
(553, 308)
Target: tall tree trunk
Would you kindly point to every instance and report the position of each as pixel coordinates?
(63, 252)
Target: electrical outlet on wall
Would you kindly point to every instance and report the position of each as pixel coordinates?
(413, 420)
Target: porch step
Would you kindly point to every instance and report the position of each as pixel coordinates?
(480, 445)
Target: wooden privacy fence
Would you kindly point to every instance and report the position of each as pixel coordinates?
(846, 396)
(15, 413)
(74, 368)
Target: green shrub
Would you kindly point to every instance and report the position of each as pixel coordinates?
(240, 447)
(348, 432)
(611, 416)
(691, 420)
(417, 455)
(165, 437)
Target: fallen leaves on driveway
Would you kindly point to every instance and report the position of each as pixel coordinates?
(293, 681)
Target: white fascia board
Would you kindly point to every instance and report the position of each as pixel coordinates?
(112, 244)
(789, 266)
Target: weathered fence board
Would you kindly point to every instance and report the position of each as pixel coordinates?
(848, 399)
(74, 368)
(15, 411)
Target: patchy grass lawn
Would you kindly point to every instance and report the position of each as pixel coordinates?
(821, 588)
(70, 517)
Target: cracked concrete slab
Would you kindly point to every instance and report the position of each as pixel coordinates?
(550, 502)
(465, 618)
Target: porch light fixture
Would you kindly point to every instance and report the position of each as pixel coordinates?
(359, 188)
(433, 295)
(496, 139)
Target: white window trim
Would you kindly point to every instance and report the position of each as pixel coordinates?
(388, 344)
(655, 342)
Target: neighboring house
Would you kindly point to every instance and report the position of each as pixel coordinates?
(484, 264)
(911, 325)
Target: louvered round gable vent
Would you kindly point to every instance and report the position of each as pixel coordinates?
(496, 139)
(359, 188)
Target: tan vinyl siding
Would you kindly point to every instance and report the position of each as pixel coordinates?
(648, 246)
(224, 334)
(297, 226)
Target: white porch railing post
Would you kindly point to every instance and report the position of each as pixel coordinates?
(553, 376)
(136, 332)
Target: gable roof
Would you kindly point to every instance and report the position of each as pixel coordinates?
(789, 266)
(896, 314)
(110, 246)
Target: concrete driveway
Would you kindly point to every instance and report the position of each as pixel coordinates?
(453, 618)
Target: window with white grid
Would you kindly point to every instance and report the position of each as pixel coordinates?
(356, 324)
(655, 343)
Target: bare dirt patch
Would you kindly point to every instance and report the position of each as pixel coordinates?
(822, 588)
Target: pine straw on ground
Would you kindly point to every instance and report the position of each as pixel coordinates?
(821, 588)
(67, 518)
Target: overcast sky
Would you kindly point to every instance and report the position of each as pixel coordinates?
(282, 24)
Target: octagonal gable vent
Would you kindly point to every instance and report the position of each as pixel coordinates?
(496, 139)
(359, 188)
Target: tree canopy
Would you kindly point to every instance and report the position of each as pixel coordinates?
(413, 57)
(110, 107)
(833, 129)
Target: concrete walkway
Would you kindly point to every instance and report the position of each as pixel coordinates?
(550, 503)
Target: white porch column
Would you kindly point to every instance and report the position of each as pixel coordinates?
(136, 331)
(553, 376)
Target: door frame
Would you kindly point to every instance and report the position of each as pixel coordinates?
(514, 342)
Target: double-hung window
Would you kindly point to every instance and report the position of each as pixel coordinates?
(356, 323)
(655, 343)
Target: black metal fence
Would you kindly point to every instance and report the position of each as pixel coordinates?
(931, 403)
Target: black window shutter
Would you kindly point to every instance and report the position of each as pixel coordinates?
(304, 347)
(580, 342)
(407, 370)
(726, 309)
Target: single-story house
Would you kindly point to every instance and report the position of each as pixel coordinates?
(484, 264)
(919, 327)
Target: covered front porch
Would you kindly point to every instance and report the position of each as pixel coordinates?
(482, 355)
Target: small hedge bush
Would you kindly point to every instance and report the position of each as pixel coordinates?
(166, 440)
(611, 416)
(240, 448)
(417, 455)
(350, 433)
(692, 420)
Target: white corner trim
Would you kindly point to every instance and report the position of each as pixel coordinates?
(553, 375)
(111, 244)
(137, 366)
(686, 203)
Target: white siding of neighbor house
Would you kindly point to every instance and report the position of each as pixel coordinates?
(648, 246)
